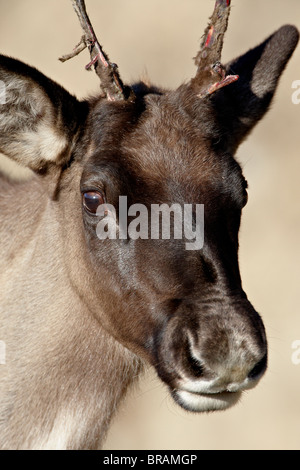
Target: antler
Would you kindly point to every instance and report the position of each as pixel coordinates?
(211, 74)
(107, 71)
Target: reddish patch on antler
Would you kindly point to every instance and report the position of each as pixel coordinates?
(211, 75)
(209, 36)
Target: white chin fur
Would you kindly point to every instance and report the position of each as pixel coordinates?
(206, 402)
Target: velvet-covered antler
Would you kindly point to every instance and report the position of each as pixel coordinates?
(211, 74)
(107, 71)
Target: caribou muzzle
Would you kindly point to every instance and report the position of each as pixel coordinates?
(209, 353)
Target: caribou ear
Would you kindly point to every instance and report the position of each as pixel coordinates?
(242, 104)
(38, 118)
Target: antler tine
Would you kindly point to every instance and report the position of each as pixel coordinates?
(107, 71)
(211, 75)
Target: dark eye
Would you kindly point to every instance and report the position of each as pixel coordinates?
(92, 200)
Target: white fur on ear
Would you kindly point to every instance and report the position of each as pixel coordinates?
(45, 144)
(29, 125)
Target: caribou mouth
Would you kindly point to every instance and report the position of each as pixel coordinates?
(199, 402)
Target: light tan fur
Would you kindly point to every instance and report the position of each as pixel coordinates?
(39, 305)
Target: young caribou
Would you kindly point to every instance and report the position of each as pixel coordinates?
(80, 314)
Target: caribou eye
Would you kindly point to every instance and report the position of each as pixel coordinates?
(92, 200)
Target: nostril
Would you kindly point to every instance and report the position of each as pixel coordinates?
(194, 365)
(259, 368)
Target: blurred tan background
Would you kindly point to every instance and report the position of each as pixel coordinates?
(161, 37)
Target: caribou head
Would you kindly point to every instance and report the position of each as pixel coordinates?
(104, 169)
(198, 328)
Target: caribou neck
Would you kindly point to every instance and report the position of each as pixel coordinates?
(93, 369)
